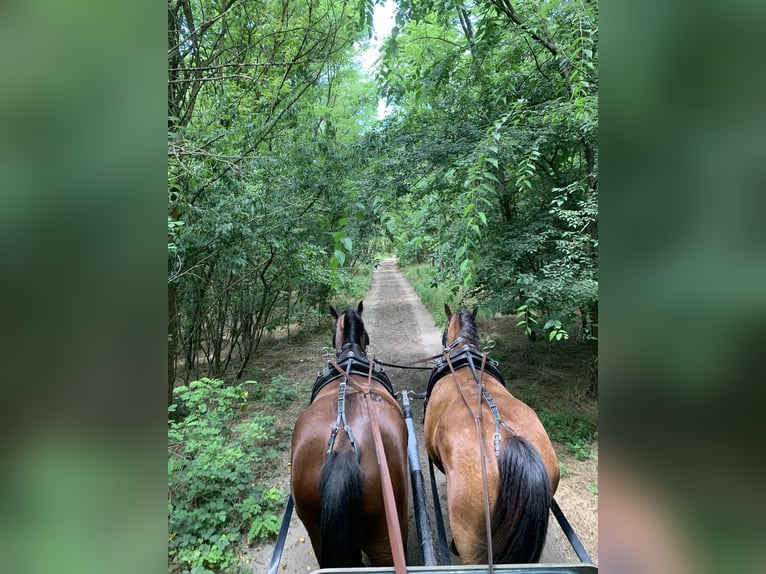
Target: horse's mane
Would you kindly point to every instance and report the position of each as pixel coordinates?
(353, 327)
(468, 329)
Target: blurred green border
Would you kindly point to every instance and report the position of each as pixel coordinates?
(83, 163)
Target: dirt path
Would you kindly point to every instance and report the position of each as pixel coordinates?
(401, 330)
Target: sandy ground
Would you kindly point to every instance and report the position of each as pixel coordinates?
(402, 330)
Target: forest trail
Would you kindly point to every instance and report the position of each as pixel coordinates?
(401, 330)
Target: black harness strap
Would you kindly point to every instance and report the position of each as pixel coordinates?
(342, 418)
(464, 356)
(351, 354)
(460, 358)
(351, 360)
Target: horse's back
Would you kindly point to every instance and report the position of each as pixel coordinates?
(309, 444)
(451, 441)
(449, 422)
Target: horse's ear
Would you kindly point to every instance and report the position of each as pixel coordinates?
(333, 312)
(360, 307)
(448, 311)
(475, 310)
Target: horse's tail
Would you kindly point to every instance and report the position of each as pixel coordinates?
(520, 516)
(340, 491)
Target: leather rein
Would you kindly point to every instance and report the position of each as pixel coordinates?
(389, 502)
(477, 418)
(410, 365)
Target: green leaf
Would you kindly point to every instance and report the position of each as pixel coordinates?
(340, 256)
(347, 243)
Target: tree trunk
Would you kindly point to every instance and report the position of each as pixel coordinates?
(172, 329)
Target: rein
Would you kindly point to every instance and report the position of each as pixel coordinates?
(456, 342)
(409, 365)
(477, 419)
(389, 502)
(465, 357)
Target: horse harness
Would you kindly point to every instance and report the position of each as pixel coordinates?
(456, 357)
(350, 360)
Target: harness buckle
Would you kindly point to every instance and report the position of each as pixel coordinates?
(331, 442)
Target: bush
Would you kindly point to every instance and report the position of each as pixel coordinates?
(573, 429)
(433, 296)
(212, 464)
(279, 393)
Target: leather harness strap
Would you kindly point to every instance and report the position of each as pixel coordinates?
(353, 358)
(389, 502)
(459, 358)
(477, 424)
(341, 420)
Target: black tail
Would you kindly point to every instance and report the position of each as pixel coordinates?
(520, 516)
(340, 490)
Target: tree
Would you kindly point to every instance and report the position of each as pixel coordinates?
(257, 117)
(280, 178)
(496, 133)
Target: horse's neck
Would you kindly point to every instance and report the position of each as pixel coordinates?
(350, 348)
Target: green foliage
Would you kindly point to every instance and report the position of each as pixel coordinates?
(491, 165)
(213, 464)
(556, 332)
(527, 317)
(265, 110)
(280, 394)
(594, 490)
(573, 429)
(431, 294)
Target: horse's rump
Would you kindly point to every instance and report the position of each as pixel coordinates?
(339, 497)
(519, 482)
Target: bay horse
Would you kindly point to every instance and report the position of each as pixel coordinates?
(512, 466)
(336, 481)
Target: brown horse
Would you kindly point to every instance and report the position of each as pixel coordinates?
(519, 467)
(336, 480)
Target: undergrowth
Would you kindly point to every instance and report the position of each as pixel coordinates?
(214, 456)
(431, 294)
(576, 430)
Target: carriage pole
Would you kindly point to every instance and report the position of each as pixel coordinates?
(570, 533)
(418, 486)
(280, 545)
